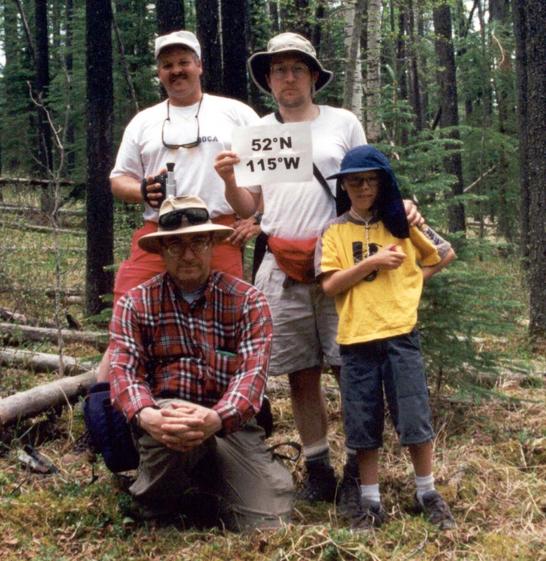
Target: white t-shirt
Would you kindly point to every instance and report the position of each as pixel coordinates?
(301, 210)
(142, 152)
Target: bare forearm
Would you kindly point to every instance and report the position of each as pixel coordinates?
(126, 188)
(243, 202)
(429, 272)
(340, 281)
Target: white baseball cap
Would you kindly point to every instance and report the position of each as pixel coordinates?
(182, 37)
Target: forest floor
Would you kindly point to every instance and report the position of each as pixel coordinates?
(490, 465)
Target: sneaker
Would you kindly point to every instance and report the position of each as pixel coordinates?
(319, 485)
(372, 515)
(436, 510)
(348, 494)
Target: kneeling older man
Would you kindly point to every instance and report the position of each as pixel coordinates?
(189, 364)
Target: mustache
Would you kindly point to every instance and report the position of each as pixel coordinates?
(179, 75)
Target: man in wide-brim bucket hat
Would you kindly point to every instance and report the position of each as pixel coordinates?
(182, 216)
(259, 63)
(294, 215)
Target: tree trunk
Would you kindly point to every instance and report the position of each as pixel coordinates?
(503, 80)
(68, 61)
(208, 33)
(170, 16)
(373, 77)
(520, 33)
(234, 49)
(99, 153)
(41, 86)
(529, 27)
(352, 86)
(415, 97)
(37, 400)
(402, 66)
(449, 112)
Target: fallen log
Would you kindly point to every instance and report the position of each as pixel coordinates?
(12, 316)
(30, 403)
(42, 362)
(18, 209)
(40, 229)
(36, 181)
(19, 332)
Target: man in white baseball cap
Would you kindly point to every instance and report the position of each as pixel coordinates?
(186, 130)
(189, 356)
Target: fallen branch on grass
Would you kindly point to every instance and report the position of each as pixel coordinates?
(35, 401)
(42, 362)
(30, 333)
(43, 229)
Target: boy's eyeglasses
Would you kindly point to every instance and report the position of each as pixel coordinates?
(193, 144)
(173, 220)
(358, 181)
(179, 247)
(281, 71)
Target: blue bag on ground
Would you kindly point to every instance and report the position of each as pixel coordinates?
(109, 432)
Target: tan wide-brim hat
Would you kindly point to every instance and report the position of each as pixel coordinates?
(259, 63)
(152, 242)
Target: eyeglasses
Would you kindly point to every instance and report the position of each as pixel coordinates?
(355, 181)
(281, 71)
(172, 220)
(193, 144)
(175, 248)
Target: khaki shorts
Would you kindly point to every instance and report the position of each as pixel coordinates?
(304, 322)
(255, 489)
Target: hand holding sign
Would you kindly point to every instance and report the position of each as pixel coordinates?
(273, 153)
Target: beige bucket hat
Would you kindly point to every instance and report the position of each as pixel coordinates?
(180, 216)
(259, 63)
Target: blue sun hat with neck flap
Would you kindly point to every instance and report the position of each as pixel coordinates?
(389, 206)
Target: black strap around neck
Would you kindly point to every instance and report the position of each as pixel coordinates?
(316, 170)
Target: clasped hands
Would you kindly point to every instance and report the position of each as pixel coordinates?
(181, 426)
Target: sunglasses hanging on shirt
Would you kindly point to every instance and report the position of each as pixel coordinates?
(169, 131)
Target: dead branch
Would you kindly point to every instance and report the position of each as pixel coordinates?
(30, 403)
(42, 362)
(482, 176)
(16, 332)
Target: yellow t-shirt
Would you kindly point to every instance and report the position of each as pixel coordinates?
(385, 303)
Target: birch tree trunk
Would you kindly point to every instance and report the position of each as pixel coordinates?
(352, 87)
(373, 75)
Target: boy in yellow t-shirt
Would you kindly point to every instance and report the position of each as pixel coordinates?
(374, 265)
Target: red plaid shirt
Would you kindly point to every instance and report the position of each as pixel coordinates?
(214, 352)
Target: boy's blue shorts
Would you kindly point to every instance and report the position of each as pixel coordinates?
(394, 368)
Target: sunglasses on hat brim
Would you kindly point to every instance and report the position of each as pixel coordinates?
(173, 220)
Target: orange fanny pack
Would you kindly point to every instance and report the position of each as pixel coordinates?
(296, 258)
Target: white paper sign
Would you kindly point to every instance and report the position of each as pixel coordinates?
(273, 153)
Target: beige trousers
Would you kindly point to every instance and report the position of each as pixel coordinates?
(255, 489)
